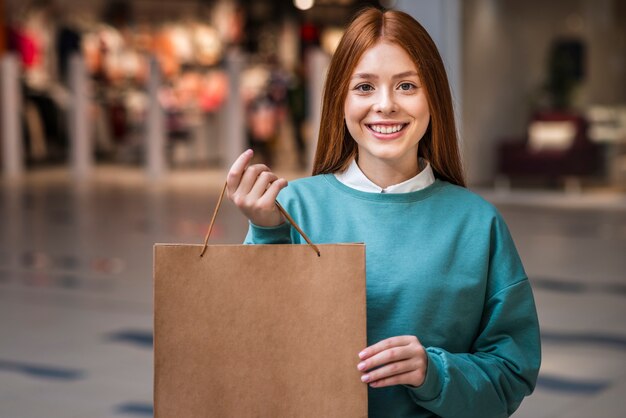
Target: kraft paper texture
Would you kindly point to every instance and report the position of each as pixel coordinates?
(259, 331)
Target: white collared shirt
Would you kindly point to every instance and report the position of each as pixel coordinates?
(353, 177)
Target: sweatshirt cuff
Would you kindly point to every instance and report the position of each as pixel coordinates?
(280, 234)
(433, 385)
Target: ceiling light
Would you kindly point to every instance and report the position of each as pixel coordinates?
(303, 4)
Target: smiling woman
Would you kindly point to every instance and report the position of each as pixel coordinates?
(439, 145)
(452, 327)
(386, 113)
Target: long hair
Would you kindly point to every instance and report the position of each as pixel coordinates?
(439, 145)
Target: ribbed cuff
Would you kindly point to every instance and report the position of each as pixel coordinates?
(433, 385)
(280, 234)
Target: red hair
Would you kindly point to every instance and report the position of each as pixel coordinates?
(439, 146)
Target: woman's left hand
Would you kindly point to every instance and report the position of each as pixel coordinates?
(403, 360)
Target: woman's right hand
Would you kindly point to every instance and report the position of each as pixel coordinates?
(253, 189)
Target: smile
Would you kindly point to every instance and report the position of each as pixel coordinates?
(387, 129)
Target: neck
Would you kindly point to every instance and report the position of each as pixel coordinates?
(385, 174)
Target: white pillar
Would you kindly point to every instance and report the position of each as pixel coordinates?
(155, 127)
(81, 157)
(234, 141)
(318, 62)
(11, 108)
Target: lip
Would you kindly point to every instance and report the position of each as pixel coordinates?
(387, 137)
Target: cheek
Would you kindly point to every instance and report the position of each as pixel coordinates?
(425, 111)
(419, 109)
(353, 117)
(355, 110)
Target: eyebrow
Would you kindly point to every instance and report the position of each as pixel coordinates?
(369, 76)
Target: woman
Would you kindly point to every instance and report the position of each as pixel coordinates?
(452, 326)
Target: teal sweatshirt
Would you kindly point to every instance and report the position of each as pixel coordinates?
(440, 265)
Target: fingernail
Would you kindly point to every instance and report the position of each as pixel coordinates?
(362, 354)
(365, 378)
(361, 366)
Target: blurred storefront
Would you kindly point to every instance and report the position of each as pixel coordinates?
(545, 92)
(191, 40)
(539, 96)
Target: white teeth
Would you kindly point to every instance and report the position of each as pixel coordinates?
(386, 129)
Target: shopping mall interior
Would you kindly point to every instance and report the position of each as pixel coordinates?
(119, 120)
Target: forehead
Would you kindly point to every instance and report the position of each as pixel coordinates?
(385, 57)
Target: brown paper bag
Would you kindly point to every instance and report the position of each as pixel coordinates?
(259, 331)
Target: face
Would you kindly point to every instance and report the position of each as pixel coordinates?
(386, 109)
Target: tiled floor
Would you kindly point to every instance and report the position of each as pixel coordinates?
(76, 310)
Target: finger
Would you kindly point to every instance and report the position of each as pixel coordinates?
(388, 356)
(270, 195)
(392, 369)
(236, 171)
(400, 379)
(250, 177)
(264, 180)
(386, 345)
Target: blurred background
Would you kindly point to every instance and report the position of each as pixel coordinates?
(119, 119)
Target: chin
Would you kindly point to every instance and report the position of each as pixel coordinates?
(389, 158)
(388, 153)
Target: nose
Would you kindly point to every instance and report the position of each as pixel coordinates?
(385, 102)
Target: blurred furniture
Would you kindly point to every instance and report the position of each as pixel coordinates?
(556, 148)
(607, 126)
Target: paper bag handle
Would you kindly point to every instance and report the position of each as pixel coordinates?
(280, 208)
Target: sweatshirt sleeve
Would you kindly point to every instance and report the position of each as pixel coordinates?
(280, 234)
(501, 368)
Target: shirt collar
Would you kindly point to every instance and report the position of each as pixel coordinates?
(353, 177)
